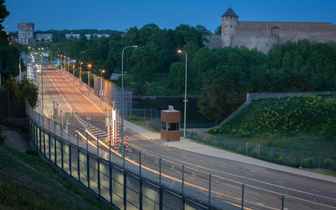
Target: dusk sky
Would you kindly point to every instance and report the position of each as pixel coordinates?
(122, 14)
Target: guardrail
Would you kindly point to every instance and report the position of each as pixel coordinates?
(152, 181)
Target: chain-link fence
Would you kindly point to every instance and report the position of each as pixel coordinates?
(148, 180)
(280, 156)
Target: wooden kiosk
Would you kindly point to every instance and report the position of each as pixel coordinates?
(170, 124)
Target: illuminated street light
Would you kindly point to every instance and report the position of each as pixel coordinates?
(89, 67)
(185, 93)
(101, 85)
(80, 74)
(122, 103)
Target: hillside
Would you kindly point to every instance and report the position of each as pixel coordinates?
(27, 182)
(304, 123)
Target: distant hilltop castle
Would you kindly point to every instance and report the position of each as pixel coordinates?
(264, 35)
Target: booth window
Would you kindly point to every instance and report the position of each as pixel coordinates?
(173, 126)
(163, 126)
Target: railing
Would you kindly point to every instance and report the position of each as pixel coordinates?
(152, 181)
(280, 156)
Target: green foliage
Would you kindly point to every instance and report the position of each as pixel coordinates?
(328, 162)
(240, 150)
(288, 115)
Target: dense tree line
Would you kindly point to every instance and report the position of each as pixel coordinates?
(229, 73)
(222, 77)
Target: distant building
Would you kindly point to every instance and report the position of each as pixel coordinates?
(88, 36)
(264, 35)
(72, 36)
(26, 33)
(43, 37)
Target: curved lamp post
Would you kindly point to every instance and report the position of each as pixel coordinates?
(185, 93)
(122, 103)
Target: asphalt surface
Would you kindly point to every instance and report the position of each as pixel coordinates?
(199, 161)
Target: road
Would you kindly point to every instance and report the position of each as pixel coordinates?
(197, 166)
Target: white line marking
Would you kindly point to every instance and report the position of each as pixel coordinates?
(250, 174)
(315, 190)
(279, 182)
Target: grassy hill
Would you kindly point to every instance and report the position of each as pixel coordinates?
(304, 123)
(27, 182)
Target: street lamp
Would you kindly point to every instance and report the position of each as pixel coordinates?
(73, 72)
(80, 75)
(101, 85)
(122, 103)
(185, 93)
(89, 66)
(62, 110)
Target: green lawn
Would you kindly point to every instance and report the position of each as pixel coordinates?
(303, 123)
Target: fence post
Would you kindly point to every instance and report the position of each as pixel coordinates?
(301, 160)
(98, 176)
(140, 182)
(209, 199)
(283, 203)
(62, 154)
(160, 198)
(320, 160)
(70, 159)
(242, 203)
(55, 147)
(183, 199)
(286, 158)
(49, 147)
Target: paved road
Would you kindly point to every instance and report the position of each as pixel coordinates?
(55, 85)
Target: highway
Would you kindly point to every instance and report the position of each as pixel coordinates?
(227, 175)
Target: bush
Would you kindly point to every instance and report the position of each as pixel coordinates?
(280, 159)
(240, 150)
(328, 162)
(255, 152)
(308, 161)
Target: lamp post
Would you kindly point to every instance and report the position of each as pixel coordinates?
(89, 66)
(62, 110)
(68, 66)
(73, 72)
(185, 93)
(101, 85)
(80, 75)
(42, 83)
(122, 103)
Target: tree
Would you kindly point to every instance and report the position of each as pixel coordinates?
(177, 76)
(3, 14)
(145, 61)
(29, 91)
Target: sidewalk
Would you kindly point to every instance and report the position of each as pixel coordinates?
(187, 145)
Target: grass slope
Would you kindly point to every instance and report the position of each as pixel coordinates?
(304, 123)
(27, 182)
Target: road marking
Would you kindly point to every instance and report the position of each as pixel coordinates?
(279, 182)
(223, 167)
(250, 174)
(315, 190)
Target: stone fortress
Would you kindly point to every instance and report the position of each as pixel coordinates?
(264, 35)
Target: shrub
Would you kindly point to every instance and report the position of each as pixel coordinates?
(255, 152)
(308, 161)
(328, 162)
(240, 150)
(280, 159)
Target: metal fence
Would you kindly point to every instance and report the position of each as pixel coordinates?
(280, 156)
(151, 181)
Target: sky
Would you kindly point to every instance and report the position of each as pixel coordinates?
(121, 15)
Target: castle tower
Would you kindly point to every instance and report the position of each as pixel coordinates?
(229, 27)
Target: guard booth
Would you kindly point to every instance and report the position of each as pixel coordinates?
(170, 124)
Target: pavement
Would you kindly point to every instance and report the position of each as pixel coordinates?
(191, 146)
